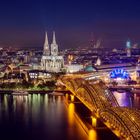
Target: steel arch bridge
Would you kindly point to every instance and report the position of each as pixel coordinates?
(97, 98)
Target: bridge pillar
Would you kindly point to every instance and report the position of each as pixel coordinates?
(94, 121)
(72, 98)
(67, 96)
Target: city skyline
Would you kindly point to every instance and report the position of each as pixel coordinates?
(24, 23)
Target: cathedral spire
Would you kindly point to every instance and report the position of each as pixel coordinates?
(46, 41)
(51, 61)
(54, 46)
(46, 45)
(54, 39)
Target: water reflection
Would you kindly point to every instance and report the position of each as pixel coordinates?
(92, 135)
(136, 102)
(123, 99)
(71, 110)
(38, 117)
(128, 99)
(42, 117)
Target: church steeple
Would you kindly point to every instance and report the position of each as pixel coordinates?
(46, 46)
(54, 46)
(54, 39)
(51, 61)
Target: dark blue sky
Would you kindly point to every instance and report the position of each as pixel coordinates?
(24, 22)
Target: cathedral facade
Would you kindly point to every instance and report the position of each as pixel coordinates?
(51, 60)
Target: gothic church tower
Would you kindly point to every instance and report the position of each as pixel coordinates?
(54, 46)
(51, 61)
(46, 50)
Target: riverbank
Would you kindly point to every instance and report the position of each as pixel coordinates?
(32, 91)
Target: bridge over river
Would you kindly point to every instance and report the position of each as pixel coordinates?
(123, 121)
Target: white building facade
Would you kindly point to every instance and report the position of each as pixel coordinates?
(51, 60)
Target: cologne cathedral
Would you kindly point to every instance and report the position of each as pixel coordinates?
(51, 60)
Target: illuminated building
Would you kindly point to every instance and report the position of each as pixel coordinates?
(119, 75)
(39, 74)
(51, 61)
(70, 59)
(128, 48)
(138, 71)
(74, 68)
(98, 62)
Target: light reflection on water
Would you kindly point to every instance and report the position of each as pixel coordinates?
(136, 102)
(38, 117)
(127, 99)
(92, 135)
(71, 113)
(123, 99)
(42, 117)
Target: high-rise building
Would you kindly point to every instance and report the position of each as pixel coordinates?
(51, 60)
(128, 48)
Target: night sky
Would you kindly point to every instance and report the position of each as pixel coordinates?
(23, 22)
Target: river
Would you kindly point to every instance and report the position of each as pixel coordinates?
(45, 117)
(38, 117)
(128, 99)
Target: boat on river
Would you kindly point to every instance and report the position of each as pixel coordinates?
(20, 93)
(56, 93)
